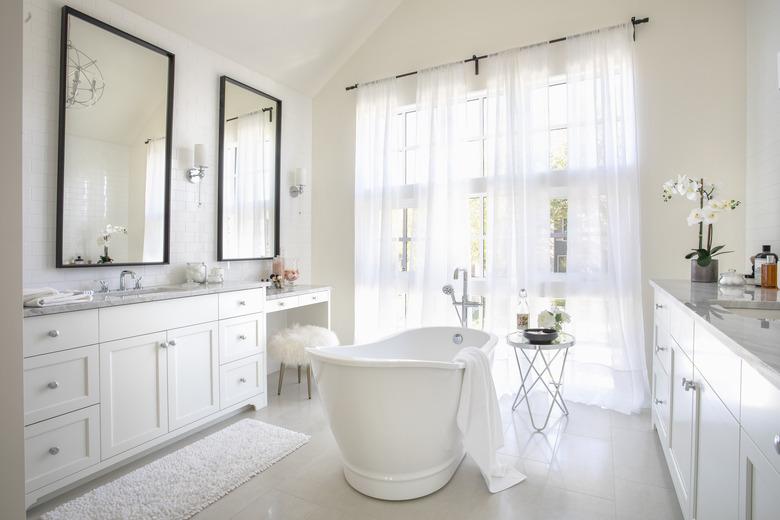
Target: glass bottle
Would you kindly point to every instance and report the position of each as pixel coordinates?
(522, 313)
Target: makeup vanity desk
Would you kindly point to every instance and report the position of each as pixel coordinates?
(108, 381)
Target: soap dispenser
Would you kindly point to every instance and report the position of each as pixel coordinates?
(766, 256)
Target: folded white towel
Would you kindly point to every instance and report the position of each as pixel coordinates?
(60, 298)
(479, 421)
(37, 292)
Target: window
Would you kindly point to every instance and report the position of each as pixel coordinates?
(559, 216)
(403, 223)
(478, 235)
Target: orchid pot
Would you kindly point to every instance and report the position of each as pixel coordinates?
(704, 265)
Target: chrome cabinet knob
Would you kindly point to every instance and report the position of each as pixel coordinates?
(659, 348)
(172, 343)
(659, 306)
(54, 333)
(54, 384)
(242, 337)
(777, 443)
(242, 380)
(658, 401)
(54, 450)
(163, 344)
(242, 302)
(687, 384)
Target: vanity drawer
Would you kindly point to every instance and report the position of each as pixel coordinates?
(281, 304)
(241, 337)
(44, 334)
(240, 303)
(60, 382)
(760, 413)
(317, 297)
(719, 366)
(661, 398)
(681, 329)
(663, 347)
(61, 446)
(661, 310)
(241, 380)
(126, 321)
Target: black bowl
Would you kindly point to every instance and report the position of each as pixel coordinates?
(540, 336)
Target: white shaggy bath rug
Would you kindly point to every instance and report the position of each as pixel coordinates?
(186, 481)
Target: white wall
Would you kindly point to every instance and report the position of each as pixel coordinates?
(691, 90)
(11, 425)
(193, 229)
(763, 125)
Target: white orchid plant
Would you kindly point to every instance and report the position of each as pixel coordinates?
(553, 318)
(708, 213)
(104, 239)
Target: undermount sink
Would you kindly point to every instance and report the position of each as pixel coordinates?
(144, 291)
(751, 309)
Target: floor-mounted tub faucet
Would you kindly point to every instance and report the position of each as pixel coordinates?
(465, 304)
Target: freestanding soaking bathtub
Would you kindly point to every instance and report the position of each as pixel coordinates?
(392, 407)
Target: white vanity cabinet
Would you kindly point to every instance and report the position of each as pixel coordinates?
(134, 392)
(718, 428)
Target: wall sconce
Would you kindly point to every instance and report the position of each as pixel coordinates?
(298, 182)
(198, 171)
(196, 174)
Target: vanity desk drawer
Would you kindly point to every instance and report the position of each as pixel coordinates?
(317, 297)
(54, 332)
(241, 380)
(281, 304)
(240, 303)
(61, 446)
(241, 337)
(60, 382)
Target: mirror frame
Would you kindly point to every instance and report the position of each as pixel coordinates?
(69, 11)
(223, 81)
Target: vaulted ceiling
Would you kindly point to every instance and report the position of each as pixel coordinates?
(300, 43)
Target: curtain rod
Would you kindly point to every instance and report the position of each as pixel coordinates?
(634, 21)
(267, 109)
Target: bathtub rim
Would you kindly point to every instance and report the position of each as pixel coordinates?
(324, 354)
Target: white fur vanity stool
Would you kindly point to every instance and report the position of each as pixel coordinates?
(289, 346)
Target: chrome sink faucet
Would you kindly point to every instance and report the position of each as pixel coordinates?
(122, 279)
(465, 304)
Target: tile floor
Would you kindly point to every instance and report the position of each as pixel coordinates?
(592, 465)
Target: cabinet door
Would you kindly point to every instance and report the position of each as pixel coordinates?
(717, 457)
(133, 392)
(193, 371)
(681, 428)
(759, 484)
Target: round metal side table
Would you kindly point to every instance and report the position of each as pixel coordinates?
(545, 355)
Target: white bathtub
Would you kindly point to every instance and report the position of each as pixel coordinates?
(392, 405)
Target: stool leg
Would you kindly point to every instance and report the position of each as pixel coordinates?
(299, 374)
(281, 377)
(308, 378)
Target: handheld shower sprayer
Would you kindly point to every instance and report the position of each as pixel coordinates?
(450, 291)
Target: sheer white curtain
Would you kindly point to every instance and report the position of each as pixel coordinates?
(603, 290)
(377, 194)
(248, 190)
(440, 225)
(154, 201)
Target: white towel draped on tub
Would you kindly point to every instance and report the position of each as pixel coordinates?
(479, 421)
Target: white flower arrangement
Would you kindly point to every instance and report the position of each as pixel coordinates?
(707, 214)
(553, 318)
(104, 239)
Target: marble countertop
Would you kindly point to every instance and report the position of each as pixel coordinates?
(168, 292)
(754, 340)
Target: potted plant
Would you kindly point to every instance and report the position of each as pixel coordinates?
(104, 239)
(704, 265)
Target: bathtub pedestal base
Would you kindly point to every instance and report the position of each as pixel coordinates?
(403, 487)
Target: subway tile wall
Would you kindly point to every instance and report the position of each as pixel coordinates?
(193, 229)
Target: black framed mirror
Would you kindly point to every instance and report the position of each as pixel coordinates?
(250, 129)
(114, 154)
